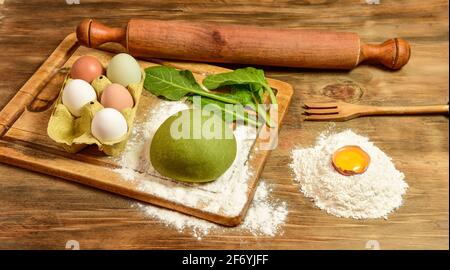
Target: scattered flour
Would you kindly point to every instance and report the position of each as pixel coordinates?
(227, 195)
(373, 194)
(264, 217)
(373, 2)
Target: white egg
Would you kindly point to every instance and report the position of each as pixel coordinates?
(108, 125)
(123, 69)
(76, 94)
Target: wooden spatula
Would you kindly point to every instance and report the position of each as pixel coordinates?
(342, 111)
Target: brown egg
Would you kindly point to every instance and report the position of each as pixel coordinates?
(116, 96)
(86, 68)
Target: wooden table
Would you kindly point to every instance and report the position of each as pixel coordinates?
(38, 211)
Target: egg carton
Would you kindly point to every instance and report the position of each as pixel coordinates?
(74, 133)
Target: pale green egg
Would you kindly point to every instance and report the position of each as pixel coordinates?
(123, 69)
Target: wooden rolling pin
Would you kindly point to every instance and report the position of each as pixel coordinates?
(211, 42)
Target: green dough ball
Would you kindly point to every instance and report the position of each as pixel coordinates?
(192, 147)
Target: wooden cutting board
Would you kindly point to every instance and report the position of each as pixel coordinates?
(24, 141)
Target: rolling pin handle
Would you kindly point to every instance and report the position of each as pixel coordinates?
(393, 53)
(93, 34)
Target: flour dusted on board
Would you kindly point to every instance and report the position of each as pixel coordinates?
(265, 216)
(227, 194)
(373, 194)
(135, 157)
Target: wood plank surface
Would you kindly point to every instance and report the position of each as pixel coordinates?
(26, 144)
(38, 211)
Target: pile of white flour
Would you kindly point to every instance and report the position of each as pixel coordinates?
(373, 194)
(227, 195)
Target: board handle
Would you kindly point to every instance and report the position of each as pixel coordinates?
(393, 53)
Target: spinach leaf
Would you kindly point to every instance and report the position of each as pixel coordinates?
(242, 94)
(174, 84)
(228, 114)
(250, 99)
(244, 76)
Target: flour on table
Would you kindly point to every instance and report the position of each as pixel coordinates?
(265, 217)
(227, 195)
(373, 194)
(373, 2)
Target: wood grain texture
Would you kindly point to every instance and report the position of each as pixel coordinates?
(243, 44)
(26, 143)
(43, 212)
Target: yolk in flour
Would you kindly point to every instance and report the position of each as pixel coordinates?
(350, 160)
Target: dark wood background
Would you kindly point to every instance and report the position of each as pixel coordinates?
(38, 211)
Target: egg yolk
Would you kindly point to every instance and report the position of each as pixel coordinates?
(350, 160)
